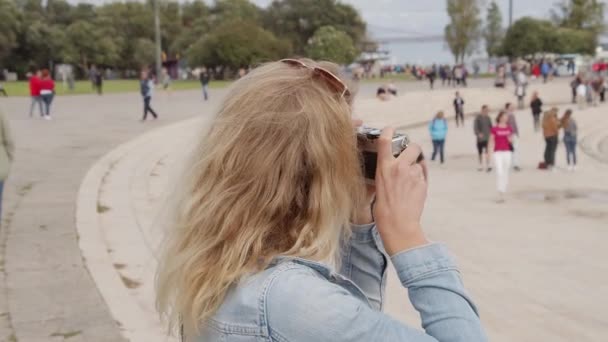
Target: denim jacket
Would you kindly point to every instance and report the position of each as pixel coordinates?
(298, 300)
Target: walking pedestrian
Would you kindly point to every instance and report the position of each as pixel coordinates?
(570, 138)
(513, 72)
(483, 128)
(550, 132)
(204, 78)
(535, 71)
(443, 74)
(458, 74)
(34, 84)
(537, 108)
(602, 89)
(512, 121)
(47, 92)
(574, 86)
(431, 75)
(589, 92)
(449, 74)
(147, 90)
(465, 75)
(520, 88)
(99, 81)
(438, 127)
(501, 145)
(596, 89)
(93, 76)
(545, 70)
(459, 109)
(570, 67)
(7, 152)
(166, 81)
(581, 94)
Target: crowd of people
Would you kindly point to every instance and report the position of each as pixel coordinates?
(42, 89)
(588, 90)
(500, 138)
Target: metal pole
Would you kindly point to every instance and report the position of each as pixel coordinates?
(510, 13)
(157, 38)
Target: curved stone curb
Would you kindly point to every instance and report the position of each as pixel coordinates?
(134, 324)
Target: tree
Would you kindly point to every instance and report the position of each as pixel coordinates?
(145, 52)
(585, 15)
(237, 44)
(493, 33)
(331, 44)
(228, 10)
(9, 26)
(298, 20)
(463, 32)
(119, 34)
(193, 11)
(529, 36)
(574, 41)
(91, 45)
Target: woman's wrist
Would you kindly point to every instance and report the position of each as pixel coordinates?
(398, 243)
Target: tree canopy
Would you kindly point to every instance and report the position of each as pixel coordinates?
(463, 32)
(493, 33)
(298, 20)
(529, 36)
(121, 34)
(587, 15)
(331, 44)
(237, 44)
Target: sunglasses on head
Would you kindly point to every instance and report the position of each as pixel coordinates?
(332, 80)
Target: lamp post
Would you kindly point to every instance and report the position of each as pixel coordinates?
(157, 38)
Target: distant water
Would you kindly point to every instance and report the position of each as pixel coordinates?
(420, 53)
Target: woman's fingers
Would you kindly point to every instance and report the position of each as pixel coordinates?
(410, 155)
(385, 146)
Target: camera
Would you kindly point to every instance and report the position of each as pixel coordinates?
(367, 141)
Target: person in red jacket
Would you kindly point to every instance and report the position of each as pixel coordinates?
(47, 92)
(35, 92)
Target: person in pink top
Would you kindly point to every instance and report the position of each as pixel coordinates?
(47, 92)
(501, 145)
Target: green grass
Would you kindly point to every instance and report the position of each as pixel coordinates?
(21, 88)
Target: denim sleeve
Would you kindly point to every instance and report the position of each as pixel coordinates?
(301, 305)
(436, 291)
(364, 261)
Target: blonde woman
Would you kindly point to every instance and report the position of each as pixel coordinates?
(274, 239)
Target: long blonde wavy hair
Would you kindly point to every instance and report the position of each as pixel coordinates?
(277, 174)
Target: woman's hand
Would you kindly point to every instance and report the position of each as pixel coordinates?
(400, 196)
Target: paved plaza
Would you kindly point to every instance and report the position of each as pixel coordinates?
(84, 207)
